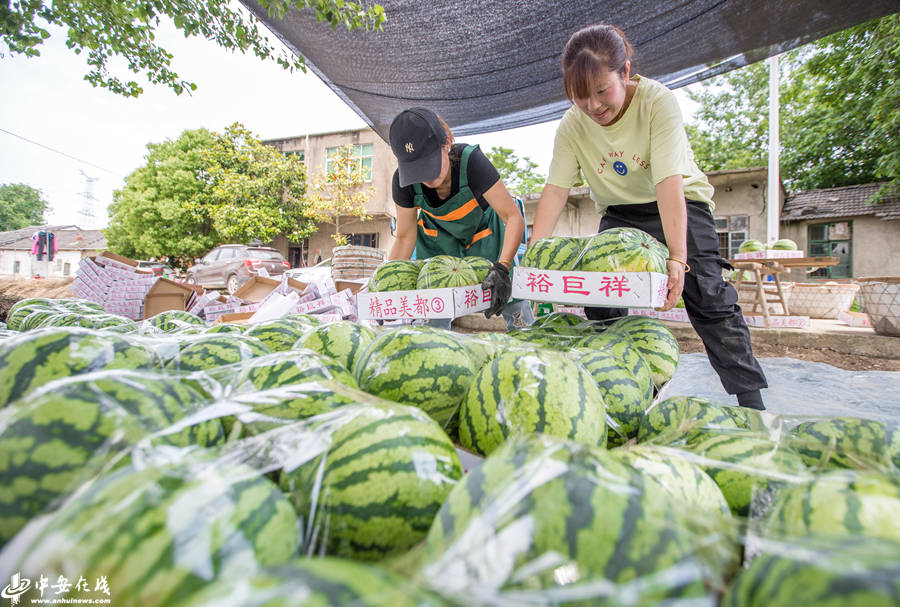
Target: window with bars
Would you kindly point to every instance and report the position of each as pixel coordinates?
(732, 231)
(362, 154)
(832, 240)
(300, 154)
(363, 240)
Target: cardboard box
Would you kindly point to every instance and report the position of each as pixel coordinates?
(166, 295)
(236, 317)
(769, 254)
(673, 315)
(855, 319)
(603, 289)
(258, 287)
(781, 322)
(423, 303)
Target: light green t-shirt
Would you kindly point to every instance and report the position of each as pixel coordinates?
(622, 163)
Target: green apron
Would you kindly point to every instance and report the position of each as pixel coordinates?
(458, 227)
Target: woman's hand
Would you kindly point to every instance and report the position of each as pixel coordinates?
(675, 285)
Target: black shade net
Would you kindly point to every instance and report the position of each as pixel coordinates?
(492, 65)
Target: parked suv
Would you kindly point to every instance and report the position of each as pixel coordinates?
(231, 265)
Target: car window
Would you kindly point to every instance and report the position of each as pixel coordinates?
(212, 255)
(264, 254)
(226, 254)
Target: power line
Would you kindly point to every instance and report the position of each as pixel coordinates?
(60, 153)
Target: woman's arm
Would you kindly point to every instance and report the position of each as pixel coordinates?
(673, 213)
(405, 238)
(500, 200)
(552, 202)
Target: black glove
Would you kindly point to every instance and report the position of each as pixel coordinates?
(501, 288)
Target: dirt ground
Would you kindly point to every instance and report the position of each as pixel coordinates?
(14, 289)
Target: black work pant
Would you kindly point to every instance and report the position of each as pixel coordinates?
(710, 302)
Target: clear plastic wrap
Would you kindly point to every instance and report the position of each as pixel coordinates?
(613, 250)
(548, 521)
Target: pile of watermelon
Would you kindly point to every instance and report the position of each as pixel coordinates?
(441, 271)
(613, 250)
(293, 462)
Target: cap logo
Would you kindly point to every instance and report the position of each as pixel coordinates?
(409, 147)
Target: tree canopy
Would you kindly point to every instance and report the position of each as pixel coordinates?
(840, 111)
(518, 174)
(126, 30)
(340, 191)
(205, 189)
(20, 206)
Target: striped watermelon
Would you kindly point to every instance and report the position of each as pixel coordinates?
(627, 353)
(37, 317)
(626, 397)
(160, 534)
(480, 266)
(24, 307)
(654, 341)
(706, 512)
(840, 503)
(556, 338)
(746, 467)
(343, 341)
(304, 320)
(444, 271)
(211, 351)
(376, 489)
(227, 327)
(554, 253)
(419, 366)
(847, 442)
(32, 359)
(172, 320)
(523, 393)
(559, 319)
(287, 368)
(313, 582)
(544, 517)
(681, 419)
(852, 572)
(114, 323)
(623, 250)
(63, 434)
(395, 275)
(278, 335)
(66, 319)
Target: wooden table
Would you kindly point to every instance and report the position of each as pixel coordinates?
(764, 292)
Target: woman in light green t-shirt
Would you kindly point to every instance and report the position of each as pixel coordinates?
(625, 134)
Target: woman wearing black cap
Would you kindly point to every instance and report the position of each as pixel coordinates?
(451, 201)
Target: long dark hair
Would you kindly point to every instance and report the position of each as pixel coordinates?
(589, 51)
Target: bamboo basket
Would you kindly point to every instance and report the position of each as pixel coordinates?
(353, 262)
(818, 300)
(880, 298)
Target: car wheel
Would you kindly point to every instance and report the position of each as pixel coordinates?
(232, 284)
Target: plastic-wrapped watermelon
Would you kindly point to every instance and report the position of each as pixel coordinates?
(623, 250)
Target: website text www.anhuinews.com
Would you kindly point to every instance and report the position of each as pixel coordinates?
(65, 601)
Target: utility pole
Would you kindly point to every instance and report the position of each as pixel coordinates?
(773, 208)
(87, 206)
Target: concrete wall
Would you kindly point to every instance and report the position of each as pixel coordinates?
(29, 265)
(742, 193)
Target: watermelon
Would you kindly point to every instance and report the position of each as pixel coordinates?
(746, 468)
(623, 250)
(316, 582)
(419, 366)
(160, 534)
(304, 320)
(376, 489)
(520, 392)
(480, 266)
(559, 319)
(682, 419)
(211, 351)
(750, 246)
(66, 319)
(654, 341)
(625, 396)
(278, 335)
(62, 434)
(445, 271)
(847, 442)
(227, 327)
(32, 359)
(22, 308)
(343, 341)
(554, 253)
(287, 368)
(628, 355)
(785, 244)
(840, 503)
(546, 517)
(851, 572)
(171, 320)
(37, 317)
(395, 275)
(555, 338)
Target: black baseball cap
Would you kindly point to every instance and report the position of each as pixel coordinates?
(416, 138)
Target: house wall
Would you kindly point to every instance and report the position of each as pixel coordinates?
(742, 194)
(29, 265)
(875, 245)
(380, 207)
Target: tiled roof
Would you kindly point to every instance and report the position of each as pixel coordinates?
(68, 237)
(846, 201)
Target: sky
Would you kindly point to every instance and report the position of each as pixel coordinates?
(83, 141)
